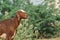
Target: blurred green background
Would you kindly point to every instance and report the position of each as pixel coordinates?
(43, 22)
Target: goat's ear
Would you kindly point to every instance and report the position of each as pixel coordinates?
(18, 16)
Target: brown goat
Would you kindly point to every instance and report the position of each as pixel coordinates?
(8, 27)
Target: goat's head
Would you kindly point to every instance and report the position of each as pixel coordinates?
(22, 14)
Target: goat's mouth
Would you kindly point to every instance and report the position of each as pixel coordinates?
(26, 17)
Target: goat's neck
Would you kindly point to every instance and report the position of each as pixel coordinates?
(17, 21)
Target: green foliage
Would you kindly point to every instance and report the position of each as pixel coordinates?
(40, 19)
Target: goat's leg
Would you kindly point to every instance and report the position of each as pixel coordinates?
(12, 38)
(8, 37)
(13, 35)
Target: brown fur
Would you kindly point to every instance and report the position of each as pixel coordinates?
(9, 26)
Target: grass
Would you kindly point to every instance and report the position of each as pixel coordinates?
(25, 33)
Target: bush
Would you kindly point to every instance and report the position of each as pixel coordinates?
(40, 17)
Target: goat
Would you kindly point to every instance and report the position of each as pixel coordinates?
(8, 27)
